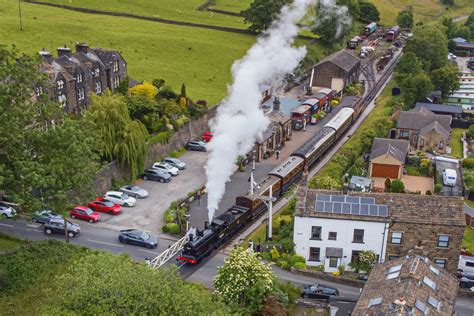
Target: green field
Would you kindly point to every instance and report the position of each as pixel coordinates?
(183, 10)
(456, 142)
(232, 5)
(200, 58)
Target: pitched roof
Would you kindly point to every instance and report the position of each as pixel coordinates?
(435, 126)
(344, 60)
(434, 107)
(418, 118)
(277, 116)
(425, 288)
(107, 56)
(398, 149)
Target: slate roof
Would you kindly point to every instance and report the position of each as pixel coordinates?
(286, 105)
(409, 281)
(435, 126)
(107, 56)
(398, 149)
(465, 45)
(265, 136)
(434, 107)
(277, 116)
(417, 119)
(349, 101)
(344, 60)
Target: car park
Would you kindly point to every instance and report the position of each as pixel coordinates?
(120, 198)
(163, 166)
(7, 211)
(138, 237)
(85, 213)
(317, 290)
(105, 206)
(175, 163)
(196, 145)
(207, 136)
(56, 226)
(45, 216)
(156, 175)
(135, 191)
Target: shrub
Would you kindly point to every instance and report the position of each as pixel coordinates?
(165, 229)
(438, 188)
(267, 256)
(428, 193)
(468, 163)
(397, 186)
(173, 228)
(319, 268)
(470, 132)
(341, 269)
(387, 183)
(284, 264)
(297, 259)
(169, 218)
(275, 254)
(299, 265)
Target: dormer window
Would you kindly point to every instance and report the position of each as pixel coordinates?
(79, 78)
(96, 72)
(116, 66)
(60, 84)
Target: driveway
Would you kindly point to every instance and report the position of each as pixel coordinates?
(462, 64)
(447, 190)
(148, 213)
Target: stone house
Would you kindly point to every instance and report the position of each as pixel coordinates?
(389, 224)
(280, 124)
(387, 158)
(74, 76)
(424, 130)
(336, 71)
(412, 285)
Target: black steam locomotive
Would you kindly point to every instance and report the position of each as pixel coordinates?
(279, 179)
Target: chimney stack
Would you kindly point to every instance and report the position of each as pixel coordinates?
(276, 104)
(82, 48)
(64, 51)
(46, 56)
(206, 225)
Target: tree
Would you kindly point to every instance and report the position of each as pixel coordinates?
(415, 88)
(116, 285)
(330, 27)
(452, 46)
(146, 111)
(261, 13)
(446, 79)
(408, 65)
(430, 45)
(123, 86)
(166, 92)
(145, 89)
(183, 91)
(369, 12)
(462, 31)
(449, 27)
(405, 18)
(352, 6)
(158, 83)
(397, 186)
(244, 280)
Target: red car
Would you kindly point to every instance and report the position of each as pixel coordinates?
(85, 213)
(105, 206)
(207, 136)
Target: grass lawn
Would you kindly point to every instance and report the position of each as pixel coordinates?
(456, 143)
(468, 240)
(182, 10)
(7, 242)
(423, 10)
(200, 58)
(232, 5)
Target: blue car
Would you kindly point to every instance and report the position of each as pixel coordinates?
(45, 216)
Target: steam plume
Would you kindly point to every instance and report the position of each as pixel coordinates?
(328, 12)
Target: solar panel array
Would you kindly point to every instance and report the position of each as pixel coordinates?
(353, 205)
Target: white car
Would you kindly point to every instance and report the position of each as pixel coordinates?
(451, 56)
(166, 167)
(120, 198)
(7, 211)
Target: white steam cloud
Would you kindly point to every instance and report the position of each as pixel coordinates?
(338, 15)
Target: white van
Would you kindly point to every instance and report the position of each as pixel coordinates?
(449, 177)
(466, 264)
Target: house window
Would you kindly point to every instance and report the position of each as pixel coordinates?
(393, 257)
(39, 91)
(404, 134)
(98, 87)
(441, 262)
(443, 241)
(397, 237)
(316, 232)
(434, 302)
(358, 236)
(333, 262)
(60, 84)
(96, 72)
(355, 256)
(332, 236)
(116, 82)
(62, 100)
(429, 283)
(421, 306)
(116, 66)
(79, 78)
(80, 94)
(314, 253)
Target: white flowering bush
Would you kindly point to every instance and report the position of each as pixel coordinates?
(243, 279)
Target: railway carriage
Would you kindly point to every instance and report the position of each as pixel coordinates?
(254, 204)
(341, 121)
(313, 149)
(289, 171)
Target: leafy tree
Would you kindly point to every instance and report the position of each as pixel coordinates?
(123, 86)
(430, 45)
(145, 89)
(146, 111)
(183, 91)
(452, 46)
(387, 184)
(369, 12)
(261, 13)
(415, 88)
(446, 79)
(405, 18)
(462, 31)
(352, 6)
(449, 27)
(158, 83)
(116, 285)
(408, 65)
(122, 138)
(397, 186)
(166, 92)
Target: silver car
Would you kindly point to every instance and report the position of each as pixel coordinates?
(175, 163)
(135, 191)
(7, 211)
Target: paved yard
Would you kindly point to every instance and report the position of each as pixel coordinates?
(148, 213)
(412, 183)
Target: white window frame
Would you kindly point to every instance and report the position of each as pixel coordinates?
(116, 66)
(60, 84)
(62, 100)
(96, 72)
(38, 91)
(79, 77)
(396, 238)
(98, 88)
(80, 94)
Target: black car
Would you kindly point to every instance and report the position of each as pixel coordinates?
(55, 226)
(44, 216)
(138, 237)
(196, 145)
(157, 175)
(319, 291)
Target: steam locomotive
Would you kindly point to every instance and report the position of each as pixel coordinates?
(248, 207)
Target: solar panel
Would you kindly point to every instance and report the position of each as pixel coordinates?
(366, 200)
(373, 210)
(352, 199)
(355, 208)
(346, 208)
(383, 210)
(344, 204)
(338, 198)
(337, 207)
(323, 197)
(364, 209)
(328, 206)
(319, 206)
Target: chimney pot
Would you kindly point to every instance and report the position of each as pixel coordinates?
(82, 48)
(276, 104)
(46, 56)
(64, 51)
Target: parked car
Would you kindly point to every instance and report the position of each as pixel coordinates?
(7, 211)
(466, 283)
(138, 237)
(163, 166)
(451, 56)
(196, 145)
(207, 136)
(157, 175)
(135, 191)
(105, 206)
(175, 163)
(56, 226)
(45, 216)
(85, 213)
(120, 198)
(317, 289)
(466, 264)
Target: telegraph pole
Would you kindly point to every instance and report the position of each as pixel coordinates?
(19, 12)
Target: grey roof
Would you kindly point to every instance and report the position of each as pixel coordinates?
(393, 147)
(465, 45)
(349, 101)
(435, 126)
(459, 40)
(277, 116)
(434, 107)
(361, 181)
(344, 60)
(418, 118)
(107, 56)
(266, 135)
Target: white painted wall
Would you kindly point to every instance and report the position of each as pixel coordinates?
(373, 238)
